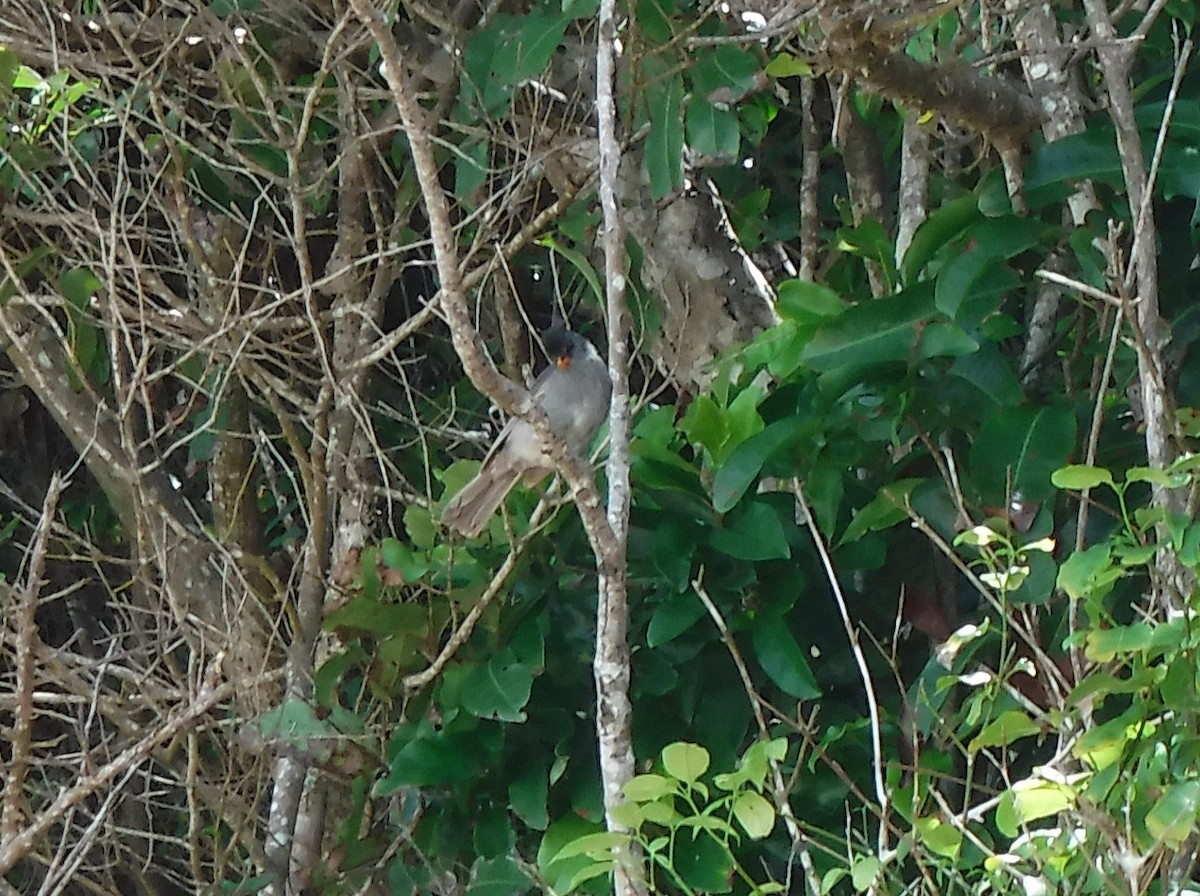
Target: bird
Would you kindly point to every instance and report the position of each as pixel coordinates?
(574, 392)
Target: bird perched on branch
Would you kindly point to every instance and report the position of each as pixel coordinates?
(574, 392)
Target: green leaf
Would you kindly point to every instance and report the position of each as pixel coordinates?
(741, 469)
(883, 331)
(782, 659)
(992, 374)
(527, 794)
(703, 863)
(1021, 448)
(684, 761)
(499, 689)
(369, 615)
(1173, 818)
(942, 226)
(886, 509)
(807, 302)
(1088, 572)
(1080, 476)
(648, 788)
(712, 132)
(509, 50)
(722, 69)
(672, 618)
(423, 757)
(785, 65)
(1006, 728)
(579, 261)
(597, 844)
(756, 534)
(754, 814)
(1035, 798)
(499, 876)
(9, 66)
(664, 144)
(864, 871)
(938, 837)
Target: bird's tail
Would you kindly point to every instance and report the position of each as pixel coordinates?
(469, 511)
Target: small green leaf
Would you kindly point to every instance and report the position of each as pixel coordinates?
(754, 814)
(939, 837)
(886, 509)
(785, 65)
(645, 788)
(1080, 476)
(864, 871)
(1035, 798)
(598, 844)
(684, 761)
(1003, 730)
(1173, 818)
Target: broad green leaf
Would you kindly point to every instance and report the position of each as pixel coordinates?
(1173, 818)
(499, 876)
(663, 155)
(755, 533)
(672, 618)
(807, 302)
(369, 615)
(991, 373)
(1006, 728)
(510, 50)
(704, 864)
(423, 757)
(712, 132)
(781, 657)
(743, 466)
(9, 66)
(527, 794)
(942, 226)
(499, 689)
(684, 761)
(722, 69)
(1019, 449)
(754, 814)
(882, 331)
(562, 831)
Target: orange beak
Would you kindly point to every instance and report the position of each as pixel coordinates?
(563, 362)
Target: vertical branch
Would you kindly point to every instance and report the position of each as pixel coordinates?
(26, 625)
(610, 665)
(810, 183)
(913, 203)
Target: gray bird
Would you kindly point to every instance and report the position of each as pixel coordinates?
(574, 392)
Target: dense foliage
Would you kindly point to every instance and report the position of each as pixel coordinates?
(911, 558)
